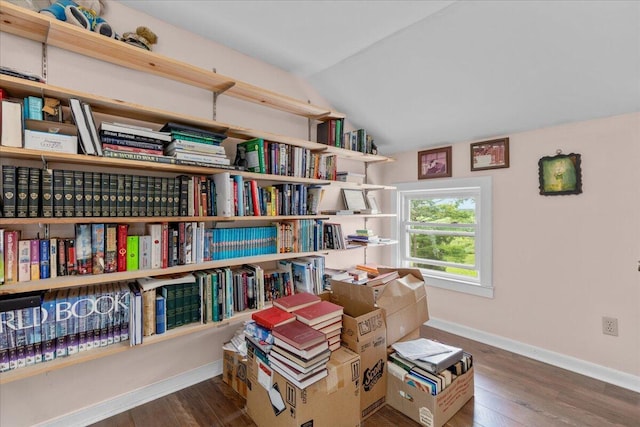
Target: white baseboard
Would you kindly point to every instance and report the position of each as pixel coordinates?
(108, 408)
(602, 373)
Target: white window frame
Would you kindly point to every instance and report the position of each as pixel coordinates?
(454, 187)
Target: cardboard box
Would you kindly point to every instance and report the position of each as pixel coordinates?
(403, 301)
(365, 334)
(46, 141)
(332, 401)
(428, 410)
(234, 371)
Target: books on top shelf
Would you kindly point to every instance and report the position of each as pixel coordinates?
(128, 131)
(296, 301)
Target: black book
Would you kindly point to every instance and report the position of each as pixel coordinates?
(104, 194)
(33, 204)
(126, 142)
(58, 193)
(22, 201)
(62, 257)
(78, 186)
(120, 193)
(128, 195)
(113, 194)
(9, 190)
(178, 127)
(47, 193)
(87, 181)
(175, 196)
(97, 194)
(136, 195)
(184, 195)
(68, 193)
(150, 192)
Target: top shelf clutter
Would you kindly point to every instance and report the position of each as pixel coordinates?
(41, 28)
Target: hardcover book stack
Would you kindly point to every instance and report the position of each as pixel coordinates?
(325, 317)
(199, 146)
(132, 142)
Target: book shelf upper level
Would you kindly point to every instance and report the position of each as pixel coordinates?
(44, 29)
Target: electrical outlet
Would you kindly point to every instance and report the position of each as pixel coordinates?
(610, 326)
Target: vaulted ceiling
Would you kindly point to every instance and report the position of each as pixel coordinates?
(425, 73)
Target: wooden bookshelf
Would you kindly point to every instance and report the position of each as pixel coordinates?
(44, 29)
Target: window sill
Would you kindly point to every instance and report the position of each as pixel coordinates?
(459, 286)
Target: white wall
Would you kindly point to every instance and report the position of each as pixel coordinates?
(560, 263)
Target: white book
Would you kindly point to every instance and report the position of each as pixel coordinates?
(83, 127)
(53, 257)
(202, 158)
(144, 251)
(155, 232)
(224, 199)
(95, 138)
(47, 141)
(179, 144)
(135, 130)
(11, 124)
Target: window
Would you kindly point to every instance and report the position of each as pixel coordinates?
(444, 228)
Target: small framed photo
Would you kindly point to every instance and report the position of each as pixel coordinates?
(373, 204)
(435, 163)
(354, 200)
(492, 154)
(560, 174)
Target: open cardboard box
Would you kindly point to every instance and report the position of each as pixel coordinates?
(403, 301)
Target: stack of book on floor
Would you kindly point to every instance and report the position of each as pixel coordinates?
(194, 145)
(428, 365)
(132, 142)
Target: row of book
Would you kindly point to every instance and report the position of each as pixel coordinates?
(260, 156)
(331, 132)
(66, 322)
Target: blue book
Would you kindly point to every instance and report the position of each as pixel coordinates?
(45, 254)
(161, 315)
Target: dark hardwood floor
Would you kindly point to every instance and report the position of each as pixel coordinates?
(510, 390)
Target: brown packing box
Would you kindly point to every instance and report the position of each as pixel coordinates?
(234, 371)
(365, 333)
(428, 410)
(332, 401)
(403, 301)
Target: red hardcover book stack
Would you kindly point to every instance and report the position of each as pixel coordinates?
(272, 317)
(325, 317)
(296, 301)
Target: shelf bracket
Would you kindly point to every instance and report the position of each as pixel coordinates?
(44, 61)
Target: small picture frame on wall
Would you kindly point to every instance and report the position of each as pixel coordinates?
(373, 204)
(560, 174)
(492, 154)
(354, 200)
(434, 163)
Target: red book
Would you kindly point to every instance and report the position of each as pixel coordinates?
(122, 231)
(296, 301)
(255, 198)
(298, 335)
(318, 313)
(271, 317)
(164, 250)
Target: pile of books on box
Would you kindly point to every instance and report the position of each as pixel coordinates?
(197, 146)
(296, 336)
(428, 365)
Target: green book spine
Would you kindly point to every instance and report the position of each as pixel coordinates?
(157, 196)
(132, 253)
(113, 194)
(22, 201)
(34, 203)
(68, 193)
(169, 294)
(104, 194)
(164, 188)
(120, 193)
(150, 190)
(97, 194)
(196, 299)
(78, 195)
(88, 193)
(137, 195)
(9, 191)
(180, 305)
(128, 206)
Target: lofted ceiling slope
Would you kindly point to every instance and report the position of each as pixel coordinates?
(417, 74)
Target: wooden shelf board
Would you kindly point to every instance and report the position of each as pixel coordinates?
(91, 279)
(42, 28)
(63, 362)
